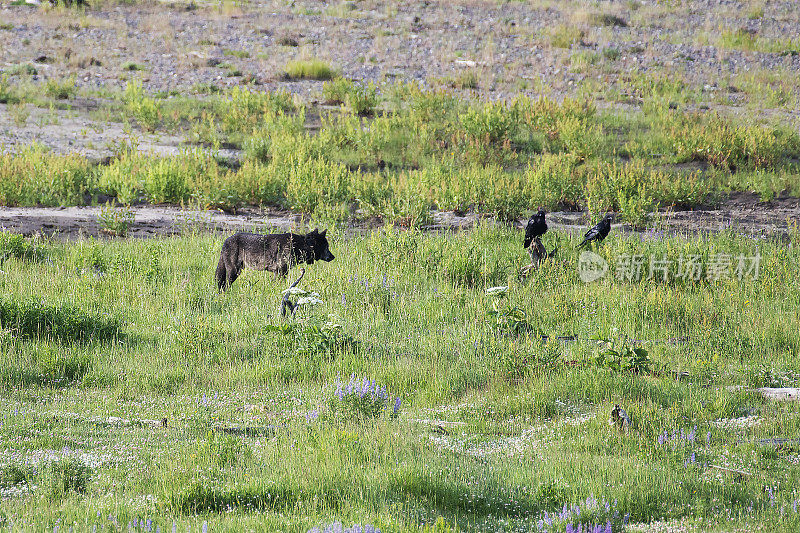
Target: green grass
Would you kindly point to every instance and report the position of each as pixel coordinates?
(251, 437)
(564, 36)
(741, 39)
(131, 66)
(241, 54)
(310, 69)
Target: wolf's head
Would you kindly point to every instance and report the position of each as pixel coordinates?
(319, 245)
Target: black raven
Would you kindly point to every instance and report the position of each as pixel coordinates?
(598, 232)
(536, 228)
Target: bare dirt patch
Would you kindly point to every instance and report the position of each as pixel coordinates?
(742, 213)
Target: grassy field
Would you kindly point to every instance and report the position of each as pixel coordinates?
(397, 153)
(134, 396)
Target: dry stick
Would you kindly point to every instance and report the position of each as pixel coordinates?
(285, 302)
(735, 471)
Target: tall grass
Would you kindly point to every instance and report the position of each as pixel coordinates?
(496, 426)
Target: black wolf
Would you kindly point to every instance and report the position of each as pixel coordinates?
(277, 253)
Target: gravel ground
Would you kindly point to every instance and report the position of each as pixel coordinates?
(506, 43)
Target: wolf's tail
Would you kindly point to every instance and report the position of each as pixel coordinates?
(222, 274)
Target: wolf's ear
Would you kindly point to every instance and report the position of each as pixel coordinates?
(324, 232)
(314, 232)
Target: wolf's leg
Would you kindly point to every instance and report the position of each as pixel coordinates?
(233, 273)
(221, 275)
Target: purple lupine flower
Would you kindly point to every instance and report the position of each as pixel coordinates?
(205, 526)
(626, 518)
(608, 526)
(660, 439)
(570, 529)
(708, 438)
(396, 407)
(693, 460)
(174, 526)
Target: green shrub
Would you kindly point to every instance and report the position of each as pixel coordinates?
(55, 364)
(22, 69)
(32, 319)
(245, 111)
(335, 92)
(722, 144)
(606, 19)
(7, 94)
(312, 69)
(115, 221)
(224, 451)
(60, 89)
(36, 177)
(144, 109)
(130, 66)
(493, 122)
(311, 183)
(64, 476)
(241, 54)
(362, 100)
(564, 36)
(17, 246)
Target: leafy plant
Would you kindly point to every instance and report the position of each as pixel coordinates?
(115, 221)
(315, 337)
(507, 320)
(625, 359)
(143, 108)
(60, 89)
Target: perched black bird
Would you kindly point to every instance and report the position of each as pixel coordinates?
(598, 232)
(536, 228)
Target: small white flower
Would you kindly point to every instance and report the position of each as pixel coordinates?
(294, 291)
(495, 291)
(311, 299)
